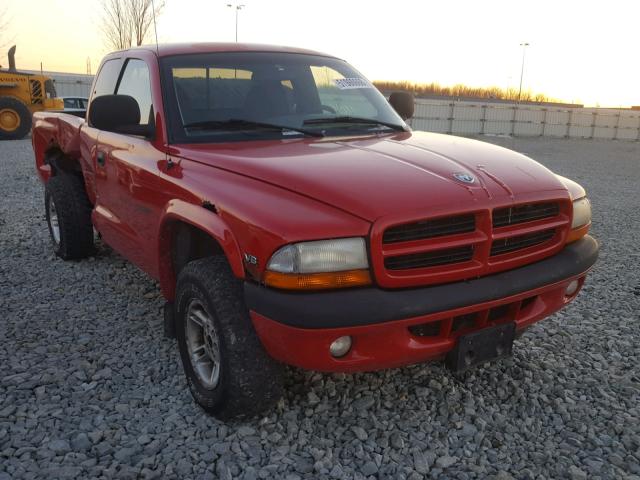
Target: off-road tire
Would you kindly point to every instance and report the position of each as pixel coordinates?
(250, 381)
(74, 216)
(20, 109)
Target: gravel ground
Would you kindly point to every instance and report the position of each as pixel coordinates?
(90, 388)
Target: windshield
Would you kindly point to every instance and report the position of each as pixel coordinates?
(233, 96)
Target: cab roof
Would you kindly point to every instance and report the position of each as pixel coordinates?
(168, 49)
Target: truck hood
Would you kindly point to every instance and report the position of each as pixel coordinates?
(373, 177)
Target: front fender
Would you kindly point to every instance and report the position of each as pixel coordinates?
(205, 220)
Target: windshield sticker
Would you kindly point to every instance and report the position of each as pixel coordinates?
(350, 83)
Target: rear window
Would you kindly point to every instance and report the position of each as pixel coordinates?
(201, 90)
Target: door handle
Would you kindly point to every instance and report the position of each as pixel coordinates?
(101, 158)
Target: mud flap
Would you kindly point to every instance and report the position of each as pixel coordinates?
(169, 320)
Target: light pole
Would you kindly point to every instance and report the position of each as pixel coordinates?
(237, 7)
(524, 46)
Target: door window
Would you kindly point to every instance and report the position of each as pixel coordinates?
(136, 83)
(107, 78)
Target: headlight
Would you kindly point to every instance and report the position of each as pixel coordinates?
(319, 265)
(581, 212)
(581, 219)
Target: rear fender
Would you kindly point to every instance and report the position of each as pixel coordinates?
(206, 221)
(52, 131)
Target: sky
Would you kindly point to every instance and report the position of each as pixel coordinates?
(585, 51)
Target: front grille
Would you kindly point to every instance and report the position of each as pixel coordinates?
(430, 259)
(524, 213)
(424, 229)
(460, 245)
(511, 244)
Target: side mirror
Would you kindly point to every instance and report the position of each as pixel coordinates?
(118, 113)
(403, 103)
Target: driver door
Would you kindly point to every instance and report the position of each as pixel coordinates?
(130, 196)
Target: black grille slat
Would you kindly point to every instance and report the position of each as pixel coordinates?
(430, 259)
(524, 213)
(431, 230)
(524, 217)
(425, 229)
(515, 219)
(511, 244)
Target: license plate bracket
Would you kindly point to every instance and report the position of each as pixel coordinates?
(478, 347)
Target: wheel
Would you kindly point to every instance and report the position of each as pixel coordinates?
(327, 108)
(229, 373)
(68, 214)
(15, 119)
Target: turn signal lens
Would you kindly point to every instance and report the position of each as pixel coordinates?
(578, 233)
(317, 281)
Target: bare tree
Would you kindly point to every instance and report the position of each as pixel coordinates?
(117, 24)
(141, 14)
(4, 27)
(127, 22)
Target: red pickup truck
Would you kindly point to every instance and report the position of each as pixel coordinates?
(291, 216)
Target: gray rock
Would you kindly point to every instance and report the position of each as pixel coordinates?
(8, 410)
(502, 475)
(364, 403)
(369, 468)
(446, 461)
(617, 460)
(59, 446)
(576, 474)
(360, 433)
(223, 472)
(245, 431)
(396, 441)
(184, 467)
(96, 436)
(250, 473)
(336, 472)
(81, 442)
(124, 454)
(421, 463)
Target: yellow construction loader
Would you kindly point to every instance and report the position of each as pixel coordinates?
(21, 94)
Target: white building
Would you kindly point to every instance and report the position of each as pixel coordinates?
(69, 84)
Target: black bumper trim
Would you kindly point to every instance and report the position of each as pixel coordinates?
(367, 306)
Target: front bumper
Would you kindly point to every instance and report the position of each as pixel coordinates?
(391, 328)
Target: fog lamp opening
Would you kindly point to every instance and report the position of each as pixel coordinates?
(340, 346)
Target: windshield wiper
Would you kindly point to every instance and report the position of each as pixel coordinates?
(347, 119)
(241, 123)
